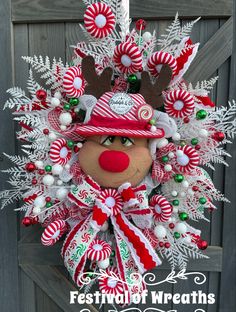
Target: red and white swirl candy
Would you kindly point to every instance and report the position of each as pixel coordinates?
(187, 158)
(111, 282)
(161, 208)
(145, 112)
(158, 59)
(53, 232)
(127, 58)
(112, 199)
(179, 103)
(99, 20)
(73, 82)
(59, 152)
(99, 250)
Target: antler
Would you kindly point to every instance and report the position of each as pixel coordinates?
(153, 92)
(97, 85)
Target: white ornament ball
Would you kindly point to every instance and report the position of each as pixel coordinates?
(179, 153)
(153, 128)
(187, 240)
(185, 184)
(162, 143)
(104, 264)
(168, 168)
(57, 95)
(79, 145)
(39, 164)
(52, 136)
(175, 209)
(77, 109)
(63, 128)
(65, 119)
(59, 182)
(57, 169)
(160, 231)
(61, 193)
(190, 192)
(174, 193)
(147, 36)
(181, 228)
(55, 102)
(48, 180)
(40, 201)
(203, 133)
(36, 210)
(67, 166)
(176, 136)
(104, 227)
(171, 155)
(182, 194)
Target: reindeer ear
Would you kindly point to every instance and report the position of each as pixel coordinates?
(153, 92)
(96, 85)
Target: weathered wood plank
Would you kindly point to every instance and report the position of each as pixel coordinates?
(227, 292)
(55, 285)
(72, 10)
(36, 254)
(44, 303)
(9, 292)
(214, 53)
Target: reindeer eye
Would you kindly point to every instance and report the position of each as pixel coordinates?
(107, 140)
(126, 141)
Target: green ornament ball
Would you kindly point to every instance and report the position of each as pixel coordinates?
(194, 141)
(113, 253)
(202, 200)
(70, 144)
(48, 168)
(132, 78)
(90, 273)
(152, 122)
(66, 106)
(201, 114)
(48, 204)
(183, 216)
(177, 235)
(145, 53)
(165, 159)
(74, 101)
(175, 202)
(178, 178)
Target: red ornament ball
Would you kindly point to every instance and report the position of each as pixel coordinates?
(76, 149)
(45, 131)
(30, 167)
(41, 95)
(219, 136)
(140, 24)
(197, 147)
(186, 119)
(34, 181)
(195, 188)
(167, 245)
(171, 225)
(202, 244)
(41, 171)
(26, 221)
(161, 244)
(48, 199)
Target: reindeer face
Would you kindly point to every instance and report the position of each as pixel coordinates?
(111, 160)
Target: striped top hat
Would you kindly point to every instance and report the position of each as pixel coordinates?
(120, 113)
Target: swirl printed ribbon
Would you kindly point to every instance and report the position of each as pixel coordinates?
(134, 252)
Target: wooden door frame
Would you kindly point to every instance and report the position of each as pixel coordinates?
(216, 51)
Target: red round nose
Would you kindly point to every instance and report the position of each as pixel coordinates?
(114, 161)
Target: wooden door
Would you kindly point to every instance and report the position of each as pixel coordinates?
(32, 278)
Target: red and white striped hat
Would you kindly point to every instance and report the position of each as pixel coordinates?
(121, 114)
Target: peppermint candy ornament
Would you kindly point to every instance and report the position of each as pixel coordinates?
(179, 103)
(112, 199)
(111, 282)
(161, 208)
(59, 152)
(187, 159)
(158, 59)
(53, 232)
(127, 58)
(98, 250)
(73, 82)
(145, 112)
(99, 20)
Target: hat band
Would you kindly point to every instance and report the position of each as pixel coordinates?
(99, 121)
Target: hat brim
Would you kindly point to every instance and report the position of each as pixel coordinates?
(87, 131)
